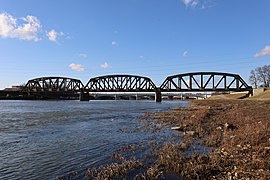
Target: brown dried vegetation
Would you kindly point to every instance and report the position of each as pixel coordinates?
(117, 170)
(238, 129)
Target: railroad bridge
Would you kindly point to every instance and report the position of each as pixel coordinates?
(205, 81)
(53, 88)
(187, 82)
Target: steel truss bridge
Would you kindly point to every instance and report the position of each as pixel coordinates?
(188, 82)
(120, 83)
(204, 81)
(53, 87)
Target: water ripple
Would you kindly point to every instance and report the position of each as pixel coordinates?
(43, 139)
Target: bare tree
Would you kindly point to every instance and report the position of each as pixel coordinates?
(266, 71)
(253, 78)
(260, 76)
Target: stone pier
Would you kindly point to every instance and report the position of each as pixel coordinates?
(158, 97)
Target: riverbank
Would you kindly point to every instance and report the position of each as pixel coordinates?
(213, 139)
(237, 130)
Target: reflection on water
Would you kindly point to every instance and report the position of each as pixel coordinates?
(42, 139)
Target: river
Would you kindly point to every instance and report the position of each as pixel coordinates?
(43, 139)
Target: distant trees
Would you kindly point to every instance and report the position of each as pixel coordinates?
(260, 77)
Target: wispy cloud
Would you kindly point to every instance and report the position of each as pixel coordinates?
(76, 67)
(264, 52)
(201, 4)
(25, 28)
(83, 55)
(105, 65)
(185, 53)
(141, 57)
(114, 43)
(53, 35)
(190, 2)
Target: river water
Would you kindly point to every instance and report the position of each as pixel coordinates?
(43, 139)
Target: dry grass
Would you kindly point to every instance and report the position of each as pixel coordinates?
(238, 129)
(263, 96)
(229, 96)
(117, 170)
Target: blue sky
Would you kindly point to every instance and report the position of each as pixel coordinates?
(155, 38)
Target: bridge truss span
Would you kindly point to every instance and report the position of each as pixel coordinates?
(120, 83)
(204, 81)
(54, 84)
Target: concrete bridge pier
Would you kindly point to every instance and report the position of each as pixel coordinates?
(84, 96)
(158, 97)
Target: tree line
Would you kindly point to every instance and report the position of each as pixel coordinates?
(260, 76)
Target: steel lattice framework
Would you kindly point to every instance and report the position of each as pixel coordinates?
(204, 81)
(188, 82)
(54, 84)
(120, 83)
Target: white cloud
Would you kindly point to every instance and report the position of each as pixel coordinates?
(7, 25)
(194, 3)
(141, 57)
(53, 35)
(201, 4)
(105, 65)
(185, 53)
(83, 55)
(264, 52)
(76, 67)
(114, 43)
(25, 28)
(191, 3)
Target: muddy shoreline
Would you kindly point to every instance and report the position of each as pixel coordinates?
(215, 139)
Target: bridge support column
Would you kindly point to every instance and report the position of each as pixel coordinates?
(158, 97)
(84, 96)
